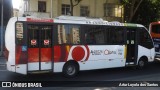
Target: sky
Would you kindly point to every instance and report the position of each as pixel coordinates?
(16, 3)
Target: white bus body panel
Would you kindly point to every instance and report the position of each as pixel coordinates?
(10, 46)
(21, 68)
(109, 56)
(46, 65)
(33, 66)
(58, 66)
(101, 56)
(10, 67)
(150, 53)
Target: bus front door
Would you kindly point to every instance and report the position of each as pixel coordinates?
(39, 48)
(131, 47)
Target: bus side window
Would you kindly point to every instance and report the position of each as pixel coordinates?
(116, 35)
(68, 34)
(145, 39)
(33, 36)
(95, 35)
(90, 38)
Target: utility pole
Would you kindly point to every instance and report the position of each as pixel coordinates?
(51, 9)
(1, 52)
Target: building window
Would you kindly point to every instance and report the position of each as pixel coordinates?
(41, 6)
(65, 9)
(84, 11)
(113, 10)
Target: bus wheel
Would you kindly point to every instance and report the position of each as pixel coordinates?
(141, 64)
(70, 69)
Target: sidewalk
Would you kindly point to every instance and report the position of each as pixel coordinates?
(2, 60)
(2, 64)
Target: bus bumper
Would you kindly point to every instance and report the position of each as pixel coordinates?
(157, 57)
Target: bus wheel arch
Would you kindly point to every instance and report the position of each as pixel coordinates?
(70, 68)
(142, 62)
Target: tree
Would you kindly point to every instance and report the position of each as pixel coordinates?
(131, 6)
(74, 3)
(141, 11)
(149, 11)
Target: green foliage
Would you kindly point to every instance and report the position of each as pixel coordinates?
(147, 12)
(125, 1)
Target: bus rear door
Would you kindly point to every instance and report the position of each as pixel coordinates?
(39, 48)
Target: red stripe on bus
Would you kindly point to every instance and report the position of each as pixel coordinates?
(46, 54)
(39, 20)
(18, 54)
(88, 52)
(33, 54)
(78, 53)
(57, 53)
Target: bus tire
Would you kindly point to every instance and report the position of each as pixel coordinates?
(141, 64)
(70, 69)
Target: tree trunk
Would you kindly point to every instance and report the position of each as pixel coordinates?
(73, 5)
(71, 12)
(133, 10)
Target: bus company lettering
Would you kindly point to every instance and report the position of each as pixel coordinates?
(107, 52)
(96, 52)
(100, 52)
(120, 51)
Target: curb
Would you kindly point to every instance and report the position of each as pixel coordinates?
(2, 57)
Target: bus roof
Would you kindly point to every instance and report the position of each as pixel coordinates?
(76, 20)
(158, 22)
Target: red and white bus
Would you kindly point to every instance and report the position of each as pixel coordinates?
(70, 44)
(154, 29)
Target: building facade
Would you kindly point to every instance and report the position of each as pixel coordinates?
(110, 10)
(5, 14)
(15, 12)
(7, 11)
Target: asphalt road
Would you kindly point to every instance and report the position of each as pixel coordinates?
(150, 73)
(94, 75)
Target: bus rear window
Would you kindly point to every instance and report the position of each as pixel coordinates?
(156, 28)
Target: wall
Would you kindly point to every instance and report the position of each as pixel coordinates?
(96, 7)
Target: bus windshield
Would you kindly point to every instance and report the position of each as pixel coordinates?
(155, 28)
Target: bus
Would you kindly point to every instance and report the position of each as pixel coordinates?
(70, 44)
(154, 29)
